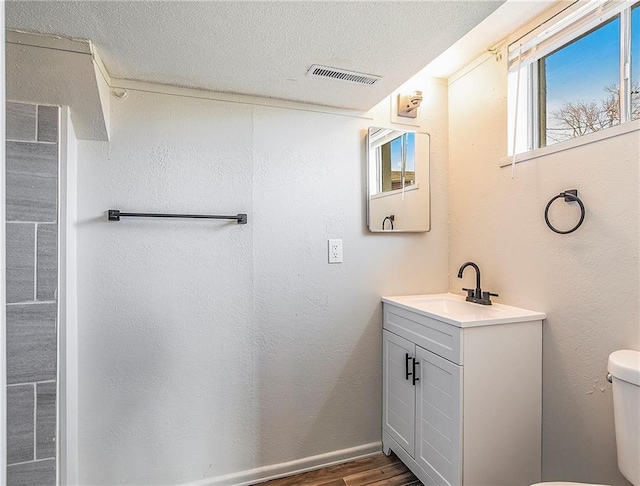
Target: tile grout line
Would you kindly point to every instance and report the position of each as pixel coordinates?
(35, 265)
(43, 142)
(31, 383)
(30, 302)
(31, 462)
(35, 419)
(31, 222)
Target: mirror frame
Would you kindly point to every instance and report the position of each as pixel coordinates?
(419, 182)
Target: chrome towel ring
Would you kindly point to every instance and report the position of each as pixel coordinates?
(569, 196)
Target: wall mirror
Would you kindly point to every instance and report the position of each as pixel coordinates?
(397, 180)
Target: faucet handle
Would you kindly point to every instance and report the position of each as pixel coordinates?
(486, 296)
(470, 292)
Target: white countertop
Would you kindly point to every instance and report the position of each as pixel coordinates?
(455, 310)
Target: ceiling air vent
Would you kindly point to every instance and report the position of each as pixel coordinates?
(342, 75)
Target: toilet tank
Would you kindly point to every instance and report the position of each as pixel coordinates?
(624, 367)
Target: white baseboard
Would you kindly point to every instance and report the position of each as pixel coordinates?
(266, 473)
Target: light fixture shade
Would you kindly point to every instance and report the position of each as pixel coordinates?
(408, 104)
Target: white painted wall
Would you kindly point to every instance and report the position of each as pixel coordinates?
(403, 207)
(209, 348)
(587, 282)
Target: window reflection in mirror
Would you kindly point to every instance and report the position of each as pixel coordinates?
(398, 180)
(394, 153)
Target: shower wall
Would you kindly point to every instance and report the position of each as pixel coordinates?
(32, 164)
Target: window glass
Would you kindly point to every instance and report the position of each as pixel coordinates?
(396, 164)
(398, 160)
(578, 85)
(635, 62)
(410, 159)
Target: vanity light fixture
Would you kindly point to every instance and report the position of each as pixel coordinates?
(408, 104)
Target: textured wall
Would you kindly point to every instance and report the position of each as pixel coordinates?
(32, 279)
(587, 282)
(208, 348)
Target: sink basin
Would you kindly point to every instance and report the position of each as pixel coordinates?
(454, 309)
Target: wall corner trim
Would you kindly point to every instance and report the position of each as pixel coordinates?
(58, 71)
(202, 94)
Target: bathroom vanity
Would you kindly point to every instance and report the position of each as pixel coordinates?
(462, 390)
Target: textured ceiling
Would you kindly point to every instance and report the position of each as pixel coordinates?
(261, 48)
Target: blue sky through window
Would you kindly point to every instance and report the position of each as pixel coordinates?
(581, 70)
(396, 153)
(576, 91)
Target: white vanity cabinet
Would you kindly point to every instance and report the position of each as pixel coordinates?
(462, 390)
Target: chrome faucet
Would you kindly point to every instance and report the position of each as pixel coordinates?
(476, 295)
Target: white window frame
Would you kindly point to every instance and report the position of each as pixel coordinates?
(523, 55)
(382, 137)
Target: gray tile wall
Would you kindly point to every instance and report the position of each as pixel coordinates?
(46, 420)
(20, 262)
(31, 343)
(47, 262)
(36, 473)
(20, 429)
(32, 169)
(32, 279)
(21, 121)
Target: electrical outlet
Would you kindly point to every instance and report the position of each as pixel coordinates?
(335, 251)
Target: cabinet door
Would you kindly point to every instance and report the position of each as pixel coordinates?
(399, 396)
(439, 418)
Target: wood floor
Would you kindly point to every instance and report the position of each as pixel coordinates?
(376, 470)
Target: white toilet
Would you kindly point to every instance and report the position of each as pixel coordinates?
(624, 370)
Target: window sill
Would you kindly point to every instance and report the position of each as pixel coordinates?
(395, 192)
(616, 131)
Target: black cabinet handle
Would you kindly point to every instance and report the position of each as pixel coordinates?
(415, 378)
(406, 366)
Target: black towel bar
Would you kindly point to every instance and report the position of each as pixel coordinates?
(116, 214)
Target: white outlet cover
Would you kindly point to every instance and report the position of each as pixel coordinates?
(335, 251)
